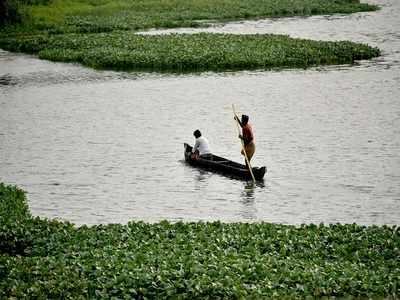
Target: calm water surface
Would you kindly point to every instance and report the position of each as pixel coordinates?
(98, 147)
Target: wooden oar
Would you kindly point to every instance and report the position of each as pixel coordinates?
(241, 140)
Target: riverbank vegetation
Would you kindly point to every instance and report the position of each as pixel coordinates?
(42, 258)
(61, 16)
(103, 34)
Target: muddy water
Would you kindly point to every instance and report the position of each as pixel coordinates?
(98, 147)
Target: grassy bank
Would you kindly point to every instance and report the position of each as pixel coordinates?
(101, 34)
(109, 15)
(50, 259)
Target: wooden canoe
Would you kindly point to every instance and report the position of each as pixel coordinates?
(223, 166)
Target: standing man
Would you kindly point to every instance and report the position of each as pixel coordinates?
(201, 147)
(247, 137)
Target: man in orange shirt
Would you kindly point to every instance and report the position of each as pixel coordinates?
(247, 137)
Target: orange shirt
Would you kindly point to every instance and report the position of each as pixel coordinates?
(247, 133)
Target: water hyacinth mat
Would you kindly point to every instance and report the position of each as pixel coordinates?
(41, 258)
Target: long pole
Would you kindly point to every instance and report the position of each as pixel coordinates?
(244, 150)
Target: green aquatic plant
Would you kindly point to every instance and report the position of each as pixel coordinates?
(194, 260)
(189, 52)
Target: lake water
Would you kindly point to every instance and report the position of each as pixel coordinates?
(97, 147)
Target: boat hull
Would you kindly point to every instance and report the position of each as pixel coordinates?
(223, 166)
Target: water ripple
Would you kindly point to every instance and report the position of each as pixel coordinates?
(100, 147)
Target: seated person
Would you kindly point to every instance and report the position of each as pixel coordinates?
(201, 147)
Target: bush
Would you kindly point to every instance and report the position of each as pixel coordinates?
(13, 214)
(9, 12)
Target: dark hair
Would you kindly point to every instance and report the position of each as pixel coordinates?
(197, 133)
(245, 119)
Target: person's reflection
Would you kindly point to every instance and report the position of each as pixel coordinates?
(201, 179)
(249, 211)
(249, 188)
(248, 192)
(202, 175)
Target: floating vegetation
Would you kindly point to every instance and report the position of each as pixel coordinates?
(189, 52)
(101, 34)
(42, 258)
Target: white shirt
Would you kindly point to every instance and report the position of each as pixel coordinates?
(202, 145)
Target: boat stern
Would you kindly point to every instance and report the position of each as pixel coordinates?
(259, 173)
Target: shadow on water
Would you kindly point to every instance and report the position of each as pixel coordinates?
(7, 79)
